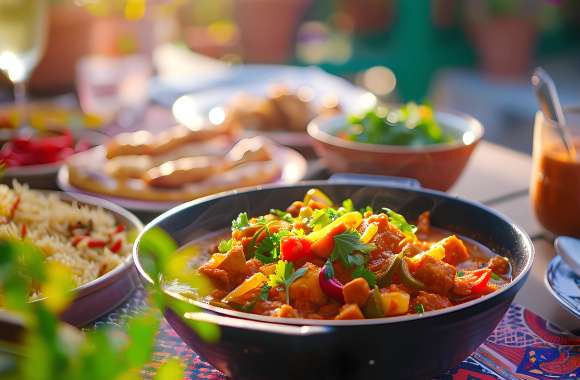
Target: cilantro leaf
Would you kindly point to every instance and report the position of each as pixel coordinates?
(401, 223)
(268, 251)
(368, 275)
(495, 276)
(285, 275)
(328, 269)
(240, 222)
(345, 244)
(265, 292)
(460, 273)
(419, 308)
(225, 245)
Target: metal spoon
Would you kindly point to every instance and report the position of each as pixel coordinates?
(569, 250)
(551, 107)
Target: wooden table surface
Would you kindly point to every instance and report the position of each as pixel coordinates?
(499, 177)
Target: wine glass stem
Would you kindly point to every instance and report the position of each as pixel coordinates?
(21, 101)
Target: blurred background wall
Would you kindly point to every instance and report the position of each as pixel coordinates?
(471, 55)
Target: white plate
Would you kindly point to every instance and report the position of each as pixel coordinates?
(293, 170)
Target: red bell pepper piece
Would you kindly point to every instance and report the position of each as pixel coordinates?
(117, 245)
(480, 284)
(324, 246)
(293, 248)
(96, 243)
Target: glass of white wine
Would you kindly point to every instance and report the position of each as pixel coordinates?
(23, 25)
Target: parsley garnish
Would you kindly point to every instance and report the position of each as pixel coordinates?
(368, 275)
(268, 251)
(401, 223)
(225, 245)
(345, 244)
(285, 275)
(419, 308)
(460, 273)
(265, 292)
(328, 269)
(495, 277)
(240, 222)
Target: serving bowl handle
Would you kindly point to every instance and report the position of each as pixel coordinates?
(372, 179)
(263, 327)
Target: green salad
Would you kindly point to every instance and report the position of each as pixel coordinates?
(411, 125)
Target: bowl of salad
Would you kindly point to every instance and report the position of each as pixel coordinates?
(411, 141)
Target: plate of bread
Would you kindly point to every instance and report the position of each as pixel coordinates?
(152, 172)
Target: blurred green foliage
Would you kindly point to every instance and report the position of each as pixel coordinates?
(52, 350)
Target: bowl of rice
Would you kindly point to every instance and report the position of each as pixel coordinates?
(87, 235)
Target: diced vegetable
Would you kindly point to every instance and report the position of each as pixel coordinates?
(293, 248)
(351, 220)
(374, 305)
(369, 233)
(351, 311)
(307, 288)
(324, 245)
(216, 259)
(455, 250)
(331, 287)
(385, 277)
(318, 196)
(395, 303)
(256, 281)
(356, 291)
(408, 278)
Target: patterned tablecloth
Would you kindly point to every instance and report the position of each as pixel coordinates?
(523, 346)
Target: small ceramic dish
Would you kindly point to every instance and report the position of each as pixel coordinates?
(435, 166)
(564, 284)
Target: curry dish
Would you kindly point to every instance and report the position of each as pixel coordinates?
(318, 260)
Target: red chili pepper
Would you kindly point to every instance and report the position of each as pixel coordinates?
(480, 284)
(96, 243)
(117, 245)
(23, 231)
(324, 246)
(331, 286)
(120, 228)
(13, 208)
(293, 248)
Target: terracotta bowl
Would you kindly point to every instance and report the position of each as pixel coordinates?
(435, 166)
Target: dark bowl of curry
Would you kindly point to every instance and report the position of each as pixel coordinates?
(328, 280)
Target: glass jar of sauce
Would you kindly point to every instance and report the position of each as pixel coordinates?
(555, 186)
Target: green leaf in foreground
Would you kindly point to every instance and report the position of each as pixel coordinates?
(170, 370)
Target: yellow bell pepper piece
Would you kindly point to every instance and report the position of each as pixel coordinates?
(369, 233)
(436, 251)
(250, 284)
(318, 196)
(351, 220)
(395, 303)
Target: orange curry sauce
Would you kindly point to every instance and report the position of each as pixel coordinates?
(358, 265)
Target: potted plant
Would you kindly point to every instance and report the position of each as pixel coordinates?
(98, 27)
(504, 35)
(367, 15)
(268, 28)
(68, 33)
